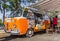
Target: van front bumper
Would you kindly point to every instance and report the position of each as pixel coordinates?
(14, 32)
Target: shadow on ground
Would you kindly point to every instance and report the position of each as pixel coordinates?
(8, 38)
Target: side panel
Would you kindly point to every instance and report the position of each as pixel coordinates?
(22, 24)
(39, 28)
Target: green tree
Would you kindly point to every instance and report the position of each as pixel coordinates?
(0, 21)
(33, 1)
(4, 6)
(1, 24)
(14, 5)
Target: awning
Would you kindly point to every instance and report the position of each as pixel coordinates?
(50, 5)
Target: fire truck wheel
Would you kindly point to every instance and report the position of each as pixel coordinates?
(30, 33)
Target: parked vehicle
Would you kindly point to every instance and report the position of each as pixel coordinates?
(25, 23)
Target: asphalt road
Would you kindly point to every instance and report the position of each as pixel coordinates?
(37, 37)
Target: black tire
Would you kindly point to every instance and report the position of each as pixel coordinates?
(30, 33)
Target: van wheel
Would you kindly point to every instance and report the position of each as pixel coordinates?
(30, 33)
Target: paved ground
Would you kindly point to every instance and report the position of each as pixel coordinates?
(2, 31)
(37, 37)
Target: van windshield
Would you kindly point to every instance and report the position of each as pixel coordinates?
(14, 15)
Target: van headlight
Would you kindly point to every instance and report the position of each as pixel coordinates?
(8, 20)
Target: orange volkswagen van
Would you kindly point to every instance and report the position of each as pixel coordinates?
(26, 23)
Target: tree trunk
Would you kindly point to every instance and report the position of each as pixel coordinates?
(3, 15)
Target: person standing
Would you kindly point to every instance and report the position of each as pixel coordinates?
(55, 22)
(51, 24)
